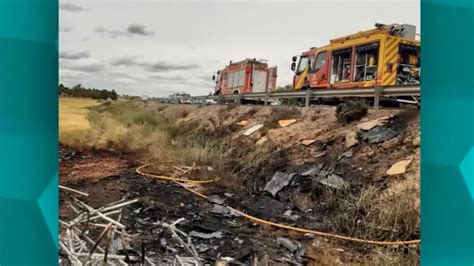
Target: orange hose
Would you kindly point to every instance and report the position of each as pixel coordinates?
(180, 182)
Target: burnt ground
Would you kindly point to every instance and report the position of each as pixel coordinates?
(166, 201)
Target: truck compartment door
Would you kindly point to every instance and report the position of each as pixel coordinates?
(259, 80)
(272, 79)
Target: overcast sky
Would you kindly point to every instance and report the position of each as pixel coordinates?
(155, 48)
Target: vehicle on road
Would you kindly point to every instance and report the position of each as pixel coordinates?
(387, 55)
(246, 76)
(180, 98)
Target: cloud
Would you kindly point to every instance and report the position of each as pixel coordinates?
(166, 66)
(134, 29)
(111, 33)
(139, 30)
(125, 61)
(71, 55)
(160, 66)
(65, 29)
(66, 74)
(71, 7)
(83, 65)
(125, 80)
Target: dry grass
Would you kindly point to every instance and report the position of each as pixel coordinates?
(73, 114)
(150, 134)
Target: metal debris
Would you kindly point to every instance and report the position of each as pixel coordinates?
(313, 171)
(186, 261)
(216, 199)
(287, 244)
(76, 243)
(217, 234)
(223, 211)
(292, 246)
(346, 154)
(253, 129)
(291, 216)
(379, 134)
(334, 181)
(278, 182)
(73, 190)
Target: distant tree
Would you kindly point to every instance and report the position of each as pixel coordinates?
(79, 91)
(288, 87)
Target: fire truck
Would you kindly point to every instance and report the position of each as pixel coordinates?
(387, 55)
(246, 76)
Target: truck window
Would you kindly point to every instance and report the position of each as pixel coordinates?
(303, 64)
(241, 78)
(320, 60)
(230, 80)
(341, 65)
(366, 62)
(408, 71)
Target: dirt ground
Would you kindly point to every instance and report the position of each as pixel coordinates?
(166, 201)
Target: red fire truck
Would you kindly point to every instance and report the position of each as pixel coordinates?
(246, 76)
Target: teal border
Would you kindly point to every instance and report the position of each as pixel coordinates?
(28, 132)
(447, 133)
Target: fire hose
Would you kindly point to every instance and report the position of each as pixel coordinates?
(182, 181)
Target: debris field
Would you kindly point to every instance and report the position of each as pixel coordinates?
(109, 212)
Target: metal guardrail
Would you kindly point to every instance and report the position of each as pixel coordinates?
(375, 92)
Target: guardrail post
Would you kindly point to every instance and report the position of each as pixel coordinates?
(239, 99)
(221, 99)
(306, 100)
(266, 99)
(378, 92)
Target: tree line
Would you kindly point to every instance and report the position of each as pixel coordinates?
(79, 91)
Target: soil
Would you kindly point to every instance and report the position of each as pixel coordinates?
(109, 177)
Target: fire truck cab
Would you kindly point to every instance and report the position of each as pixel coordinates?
(246, 76)
(385, 56)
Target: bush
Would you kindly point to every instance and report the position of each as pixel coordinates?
(350, 110)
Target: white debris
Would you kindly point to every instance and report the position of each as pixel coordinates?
(334, 181)
(253, 129)
(278, 181)
(217, 234)
(216, 199)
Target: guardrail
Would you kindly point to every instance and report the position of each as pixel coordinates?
(375, 92)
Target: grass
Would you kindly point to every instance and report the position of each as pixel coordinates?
(153, 133)
(73, 114)
(148, 133)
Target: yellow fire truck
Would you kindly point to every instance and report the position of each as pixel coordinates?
(387, 55)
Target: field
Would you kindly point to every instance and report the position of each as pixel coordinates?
(73, 113)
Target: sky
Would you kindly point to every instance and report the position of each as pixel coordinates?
(158, 47)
